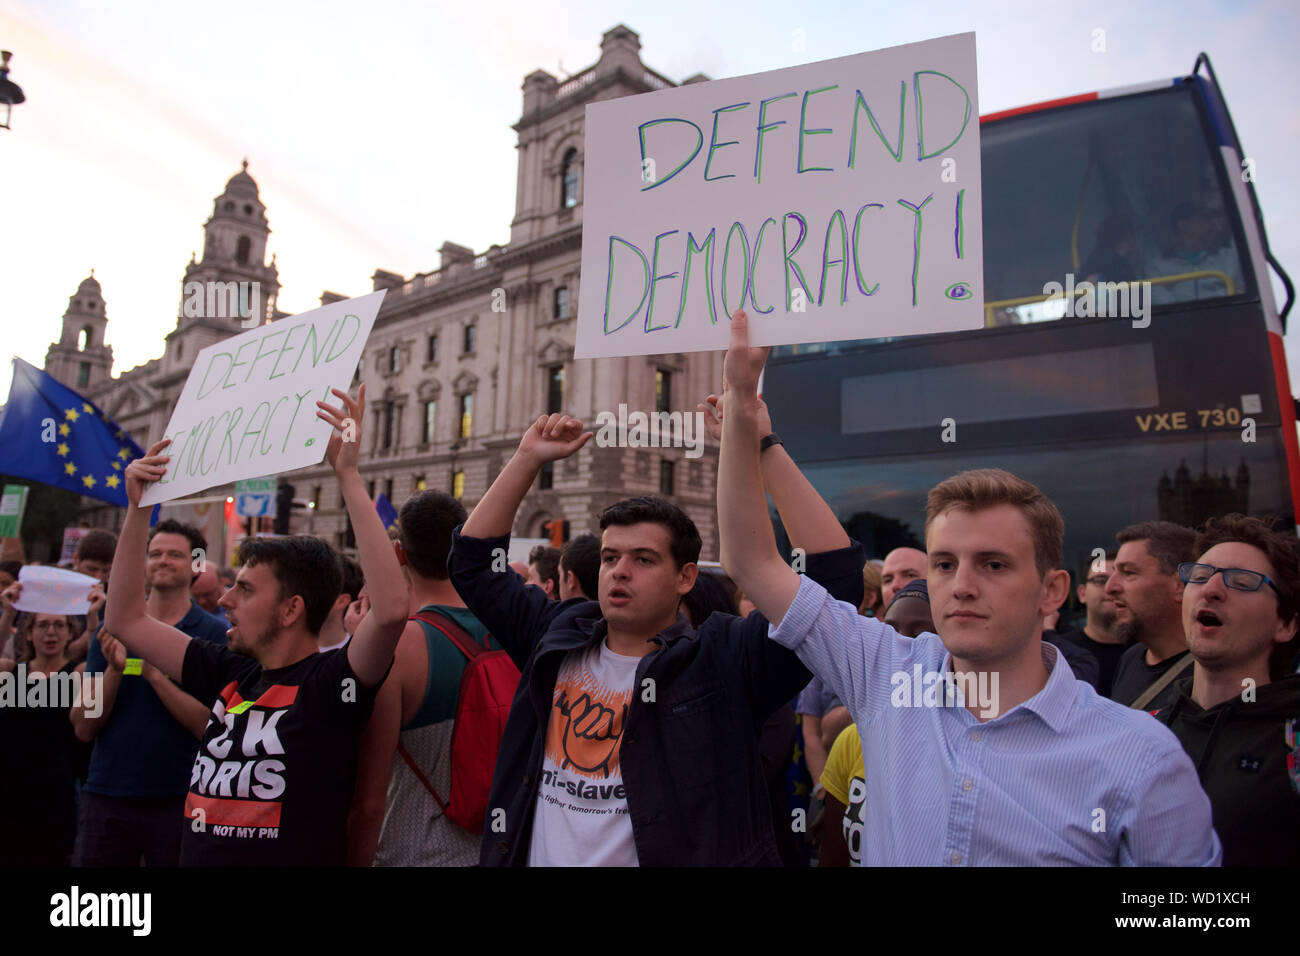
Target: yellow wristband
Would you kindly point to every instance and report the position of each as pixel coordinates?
(132, 668)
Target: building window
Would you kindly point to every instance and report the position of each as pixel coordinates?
(180, 350)
(458, 485)
(569, 180)
(389, 413)
(370, 490)
(546, 480)
(430, 415)
(315, 497)
(421, 484)
(466, 415)
(83, 374)
(663, 390)
(432, 354)
(470, 336)
(395, 359)
(562, 302)
(242, 248)
(555, 389)
(388, 489)
(665, 477)
(84, 339)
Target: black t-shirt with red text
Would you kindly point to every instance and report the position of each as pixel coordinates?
(273, 779)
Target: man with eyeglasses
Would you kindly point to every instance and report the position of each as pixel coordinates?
(1099, 635)
(1237, 715)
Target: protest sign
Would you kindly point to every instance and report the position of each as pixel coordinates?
(248, 408)
(71, 540)
(12, 505)
(54, 590)
(255, 498)
(834, 200)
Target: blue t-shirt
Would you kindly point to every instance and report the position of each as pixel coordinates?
(142, 750)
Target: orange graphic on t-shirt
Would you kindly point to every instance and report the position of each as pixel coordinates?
(586, 725)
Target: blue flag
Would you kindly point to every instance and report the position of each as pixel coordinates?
(51, 434)
(387, 513)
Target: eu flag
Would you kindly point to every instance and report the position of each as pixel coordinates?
(387, 513)
(51, 434)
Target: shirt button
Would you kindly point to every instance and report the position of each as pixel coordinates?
(956, 858)
(966, 785)
(976, 736)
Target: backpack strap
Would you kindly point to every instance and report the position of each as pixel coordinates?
(453, 632)
(410, 762)
(1165, 680)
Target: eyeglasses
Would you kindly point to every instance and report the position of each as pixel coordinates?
(1099, 579)
(51, 626)
(1239, 579)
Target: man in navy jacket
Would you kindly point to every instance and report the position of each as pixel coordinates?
(633, 739)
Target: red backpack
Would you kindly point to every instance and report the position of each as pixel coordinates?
(487, 688)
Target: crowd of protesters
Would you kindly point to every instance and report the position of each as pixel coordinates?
(617, 702)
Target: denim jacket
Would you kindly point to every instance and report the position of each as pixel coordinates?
(690, 761)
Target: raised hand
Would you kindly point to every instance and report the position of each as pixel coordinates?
(552, 437)
(114, 650)
(712, 407)
(96, 599)
(11, 594)
(143, 472)
(344, 448)
(743, 365)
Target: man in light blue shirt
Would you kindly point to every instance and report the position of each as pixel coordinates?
(979, 745)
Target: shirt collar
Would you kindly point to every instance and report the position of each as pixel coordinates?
(1054, 701)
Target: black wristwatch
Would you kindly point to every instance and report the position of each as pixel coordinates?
(769, 441)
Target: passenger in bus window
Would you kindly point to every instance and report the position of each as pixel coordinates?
(1113, 258)
(1193, 250)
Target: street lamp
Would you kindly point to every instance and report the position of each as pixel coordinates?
(11, 94)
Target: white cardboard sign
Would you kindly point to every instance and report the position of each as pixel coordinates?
(834, 200)
(49, 590)
(248, 408)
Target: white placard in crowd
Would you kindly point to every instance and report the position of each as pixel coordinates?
(834, 200)
(248, 408)
(54, 590)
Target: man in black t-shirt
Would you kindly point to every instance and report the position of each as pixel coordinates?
(1149, 601)
(273, 778)
(1098, 636)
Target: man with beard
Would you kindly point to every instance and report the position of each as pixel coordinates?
(1098, 635)
(1149, 608)
(147, 728)
(274, 775)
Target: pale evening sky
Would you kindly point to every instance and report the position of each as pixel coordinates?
(378, 131)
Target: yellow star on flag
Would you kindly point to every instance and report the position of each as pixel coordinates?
(86, 408)
(124, 453)
(117, 466)
(62, 448)
(88, 481)
(71, 415)
(64, 430)
(70, 468)
(118, 435)
(112, 481)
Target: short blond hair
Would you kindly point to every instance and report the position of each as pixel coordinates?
(870, 586)
(984, 488)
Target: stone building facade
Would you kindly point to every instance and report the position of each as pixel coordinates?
(462, 358)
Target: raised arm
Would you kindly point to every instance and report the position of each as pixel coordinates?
(160, 644)
(549, 438)
(370, 652)
(748, 547)
(808, 520)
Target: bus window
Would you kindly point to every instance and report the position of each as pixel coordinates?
(1113, 191)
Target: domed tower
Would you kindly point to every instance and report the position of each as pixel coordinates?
(80, 359)
(232, 287)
